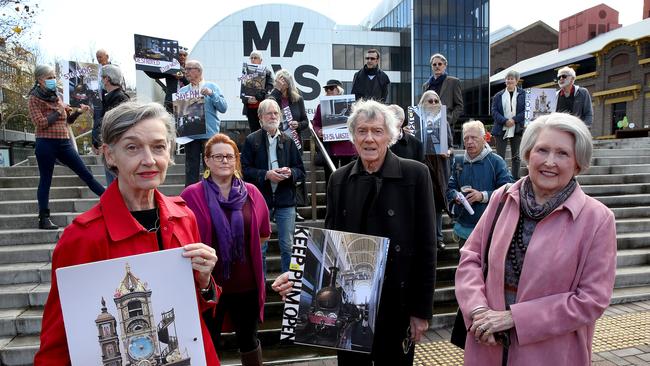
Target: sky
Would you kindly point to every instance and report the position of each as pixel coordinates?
(74, 29)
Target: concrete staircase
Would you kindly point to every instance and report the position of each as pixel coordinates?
(620, 178)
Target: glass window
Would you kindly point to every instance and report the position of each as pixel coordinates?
(443, 12)
(349, 57)
(338, 56)
(359, 54)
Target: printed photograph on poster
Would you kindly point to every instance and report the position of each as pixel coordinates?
(431, 128)
(128, 311)
(189, 113)
(253, 80)
(539, 102)
(334, 112)
(80, 82)
(4, 158)
(337, 279)
(156, 54)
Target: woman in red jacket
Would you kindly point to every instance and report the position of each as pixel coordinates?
(132, 217)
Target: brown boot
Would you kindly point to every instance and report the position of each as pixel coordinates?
(252, 358)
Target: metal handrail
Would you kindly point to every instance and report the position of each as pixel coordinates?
(316, 143)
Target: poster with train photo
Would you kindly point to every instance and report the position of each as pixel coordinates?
(337, 279)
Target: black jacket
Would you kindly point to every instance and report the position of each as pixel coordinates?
(408, 147)
(109, 101)
(403, 210)
(255, 164)
(298, 110)
(364, 88)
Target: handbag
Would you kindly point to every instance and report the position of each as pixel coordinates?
(459, 331)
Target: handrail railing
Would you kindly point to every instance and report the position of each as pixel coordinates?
(317, 144)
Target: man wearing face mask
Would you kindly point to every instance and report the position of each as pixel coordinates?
(371, 82)
(573, 99)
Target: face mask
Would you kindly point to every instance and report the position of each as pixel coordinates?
(50, 84)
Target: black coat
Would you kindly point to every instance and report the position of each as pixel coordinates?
(298, 111)
(408, 147)
(364, 88)
(255, 164)
(109, 101)
(403, 210)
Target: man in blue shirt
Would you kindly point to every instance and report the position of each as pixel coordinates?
(214, 102)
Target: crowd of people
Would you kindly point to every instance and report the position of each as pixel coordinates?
(550, 249)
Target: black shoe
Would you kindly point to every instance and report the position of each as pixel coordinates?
(299, 218)
(441, 245)
(44, 222)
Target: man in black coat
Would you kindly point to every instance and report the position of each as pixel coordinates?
(270, 160)
(384, 195)
(447, 87)
(371, 82)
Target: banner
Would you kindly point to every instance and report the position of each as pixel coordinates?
(430, 128)
(80, 82)
(136, 310)
(156, 54)
(334, 112)
(337, 279)
(284, 127)
(253, 80)
(539, 102)
(189, 113)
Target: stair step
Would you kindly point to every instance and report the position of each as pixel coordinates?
(630, 294)
(19, 350)
(16, 273)
(632, 276)
(633, 257)
(633, 225)
(613, 178)
(20, 321)
(29, 236)
(23, 295)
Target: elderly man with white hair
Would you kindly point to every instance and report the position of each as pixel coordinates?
(573, 99)
(384, 195)
(475, 175)
(214, 102)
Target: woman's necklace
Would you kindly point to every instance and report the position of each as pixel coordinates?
(156, 224)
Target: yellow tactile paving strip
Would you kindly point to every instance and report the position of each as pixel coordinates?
(612, 333)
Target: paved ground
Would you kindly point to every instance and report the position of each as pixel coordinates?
(622, 337)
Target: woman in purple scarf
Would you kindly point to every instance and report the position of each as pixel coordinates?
(233, 218)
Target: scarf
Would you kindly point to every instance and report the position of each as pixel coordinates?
(368, 71)
(531, 209)
(44, 94)
(230, 236)
(486, 150)
(436, 84)
(509, 110)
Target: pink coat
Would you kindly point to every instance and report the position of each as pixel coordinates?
(566, 281)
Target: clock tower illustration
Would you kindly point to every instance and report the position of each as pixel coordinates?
(139, 335)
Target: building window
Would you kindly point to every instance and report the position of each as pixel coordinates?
(619, 111)
(620, 60)
(135, 308)
(351, 57)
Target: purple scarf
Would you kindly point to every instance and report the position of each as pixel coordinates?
(230, 236)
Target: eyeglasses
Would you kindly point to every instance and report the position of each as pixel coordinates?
(220, 157)
(329, 87)
(191, 68)
(255, 58)
(371, 58)
(563, 76)
(407, 343)
(436, 64)
(433, 101)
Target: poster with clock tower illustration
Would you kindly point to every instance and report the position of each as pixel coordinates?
(132, 311)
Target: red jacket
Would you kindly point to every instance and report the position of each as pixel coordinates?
(93, 237)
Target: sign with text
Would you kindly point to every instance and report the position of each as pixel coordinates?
(334, 113)
(156, 54)
(189, 113)
(80, 83)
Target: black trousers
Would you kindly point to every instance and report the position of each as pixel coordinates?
(253, 119)
(243, 312)
(388, 344)
(193, 160)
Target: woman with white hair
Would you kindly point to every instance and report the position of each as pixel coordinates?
(508, 113)
(51, 117)
(538, 270)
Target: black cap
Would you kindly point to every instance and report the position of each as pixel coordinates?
(333, 82)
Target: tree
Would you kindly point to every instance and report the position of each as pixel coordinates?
(16, 20)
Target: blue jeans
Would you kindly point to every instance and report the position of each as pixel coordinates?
(47, 152)
(285, 220)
